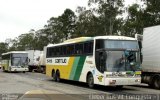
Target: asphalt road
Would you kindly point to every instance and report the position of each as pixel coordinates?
(20, 83)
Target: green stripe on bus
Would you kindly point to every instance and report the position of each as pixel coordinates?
(74, 67)
(79, 68)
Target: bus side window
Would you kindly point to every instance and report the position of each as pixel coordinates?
(67, 51)
(70, 49)
(58, 49)
(79, 48)
(101, 60)
(76, 48)
(99, 56)
(50, 52)
(63, 50)
(88, 47)
(99, 44)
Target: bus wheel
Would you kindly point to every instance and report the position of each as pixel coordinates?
(90, 80)
(119, 86)
(54, 75)
(3, 69)
(23, 71)
(157, 82)
(58, 76)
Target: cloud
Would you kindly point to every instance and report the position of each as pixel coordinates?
(19, 16)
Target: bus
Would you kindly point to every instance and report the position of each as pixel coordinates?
(15, 61)
(101, 60)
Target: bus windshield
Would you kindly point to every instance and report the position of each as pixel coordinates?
(16, 61)
(119, 55)
(122, 61)
(125, 59)
(19, 59)
(24, 61)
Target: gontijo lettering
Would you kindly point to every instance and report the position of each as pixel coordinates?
(60, 60)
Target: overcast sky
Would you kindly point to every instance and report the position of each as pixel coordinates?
(19, 16)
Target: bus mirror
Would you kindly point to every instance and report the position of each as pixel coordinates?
(103, 57)
(141, 57)
(28, 60)
(38, 58)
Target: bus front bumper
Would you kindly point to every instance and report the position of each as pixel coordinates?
(123, 81)
(19, 69)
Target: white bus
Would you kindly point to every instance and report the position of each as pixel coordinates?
(102, 60)
(15, 61)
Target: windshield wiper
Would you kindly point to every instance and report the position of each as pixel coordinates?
(131, 57)
(18, 64)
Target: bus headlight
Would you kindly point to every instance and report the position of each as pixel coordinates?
(137, 80)
(112, 82)
(26, 66)
(138, 72)
(132, 63)
(13, 66)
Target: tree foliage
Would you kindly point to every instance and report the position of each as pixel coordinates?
(101, 17)
(87, 24)
(152, 12)
(67, 20)
(135, 21)
(3, 47)
(108, 11)
(141, 16)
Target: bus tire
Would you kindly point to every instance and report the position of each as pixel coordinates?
(119, 87)
(53, 75)
(156, 82)
(3, 69)
(44, 70)
(90, 80)
(58, 76)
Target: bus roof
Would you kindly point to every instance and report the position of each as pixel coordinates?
(115, 37)
(75, 40)
(13, 52)
(80, 39)
(83, 39)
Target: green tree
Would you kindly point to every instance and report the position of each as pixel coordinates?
(14, 45)
(3, 47)
(55, 34)
(25, 41)
(41, 38)
(135, 21)
(151, 12)
(87, 24)
(108, 11)
(141, 16)
(68, 22)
